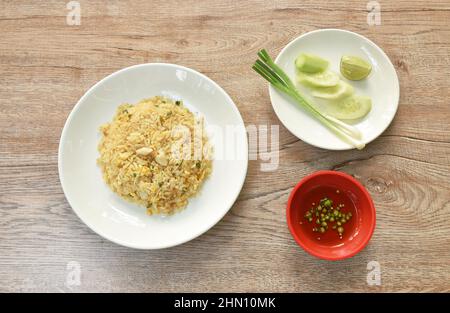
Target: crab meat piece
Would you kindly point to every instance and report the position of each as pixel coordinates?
(144, 151)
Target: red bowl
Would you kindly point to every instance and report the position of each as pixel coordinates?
(341, 188)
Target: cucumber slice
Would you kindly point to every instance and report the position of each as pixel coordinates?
(340, 91)
(320, 79)
(310, 63)
(350, 108)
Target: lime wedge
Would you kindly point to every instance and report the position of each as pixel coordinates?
(310, 63)
(340, 91)
(355, 68)
(320, 79)
(350, 108)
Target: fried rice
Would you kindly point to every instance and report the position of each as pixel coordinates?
(137, 159)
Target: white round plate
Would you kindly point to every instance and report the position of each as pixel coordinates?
(382, 86)
(128, 224)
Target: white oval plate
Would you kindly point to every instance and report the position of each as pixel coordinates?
(382, 86)
(118, 220)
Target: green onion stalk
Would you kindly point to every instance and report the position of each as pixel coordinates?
(267, 68)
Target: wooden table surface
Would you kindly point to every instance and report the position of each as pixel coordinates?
(47, 65)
